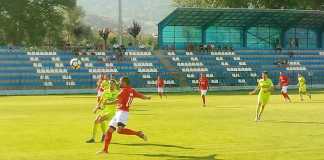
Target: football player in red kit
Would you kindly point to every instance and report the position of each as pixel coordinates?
(203, 87)
(160, 86)
(283, 83)
(119, 121)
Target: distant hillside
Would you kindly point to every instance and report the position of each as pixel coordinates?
(100, 13)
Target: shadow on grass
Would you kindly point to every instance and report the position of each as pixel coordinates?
(296, 122)
(178, 157)
(153, 145)
(308, 102)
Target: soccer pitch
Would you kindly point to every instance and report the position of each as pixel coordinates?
(179, 128)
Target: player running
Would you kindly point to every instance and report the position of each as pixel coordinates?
(203, 87)
(119, 121)
(160, 87)
(283, 83)
(265, 87)
(302, 87)
(104, 112)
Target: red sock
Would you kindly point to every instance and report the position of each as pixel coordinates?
(127, 131)
(107, 141)
(286, 95)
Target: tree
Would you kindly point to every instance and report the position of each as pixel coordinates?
(104, 34)
(134, 30)
(72, 21)
(32, 22)
(81, 31)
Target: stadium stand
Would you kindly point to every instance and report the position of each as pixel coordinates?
(232, 49)
(51, 70)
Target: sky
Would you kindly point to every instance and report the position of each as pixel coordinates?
(148, 13)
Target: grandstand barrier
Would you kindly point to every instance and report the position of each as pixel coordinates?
(144, 90)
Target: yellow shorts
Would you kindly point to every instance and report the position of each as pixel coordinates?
(263, 98)
(302, 89)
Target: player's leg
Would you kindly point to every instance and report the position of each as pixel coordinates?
(160, 92)
(261, 111)
(285, 93)
(106, 116)
(103, 126)
(257, 112)
(94, 130)
(309, 95)
(107, 140)
(109, 133)
(121, 129)
(203, 96)
(301, 94)
(163, 94)
(264, 101)
(121, 126)
(282, 93)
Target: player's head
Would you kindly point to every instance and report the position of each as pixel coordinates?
(202, 75)
(124, 82)
(104, 77)
(300, 75)
(113, 84)
(265, 75)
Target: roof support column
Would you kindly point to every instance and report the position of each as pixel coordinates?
(244, 37)
(203, 35)
(319, 38)
(282, 37)
(160, 36)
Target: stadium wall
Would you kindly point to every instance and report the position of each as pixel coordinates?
(146, 90)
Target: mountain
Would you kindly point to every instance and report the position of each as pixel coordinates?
(101, 13)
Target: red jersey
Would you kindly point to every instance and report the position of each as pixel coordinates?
(203, 83)
(283, 80)
(160, 83)
(125, 98)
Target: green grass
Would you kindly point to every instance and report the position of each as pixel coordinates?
(55, 128)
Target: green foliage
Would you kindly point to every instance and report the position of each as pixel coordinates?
(104, 34)
(41, 22)
(135, 29)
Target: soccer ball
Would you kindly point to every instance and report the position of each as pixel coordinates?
(75, 63)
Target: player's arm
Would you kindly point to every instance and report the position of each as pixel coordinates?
(255, 90)
(98, 105)
(271, 89)
(140, 95)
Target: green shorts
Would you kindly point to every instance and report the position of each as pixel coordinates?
(108, 112)
(263, 98)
